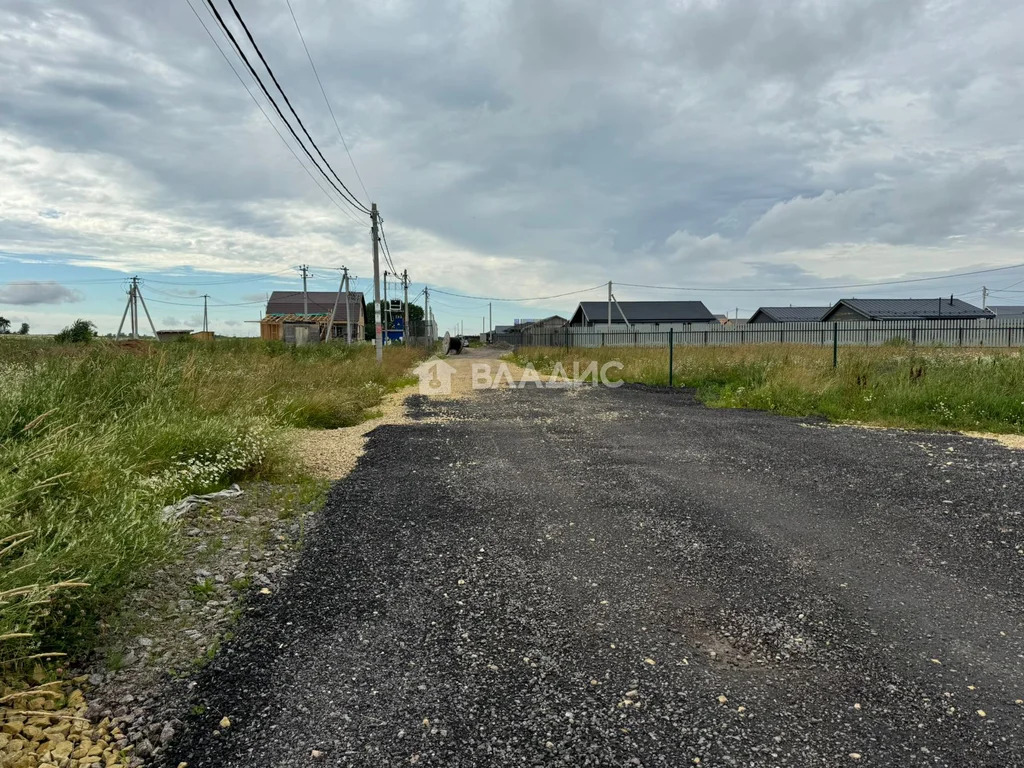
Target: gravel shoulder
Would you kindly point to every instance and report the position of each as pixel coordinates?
(624, 577)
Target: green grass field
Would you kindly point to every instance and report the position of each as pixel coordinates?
(951, 389)
(96, 438)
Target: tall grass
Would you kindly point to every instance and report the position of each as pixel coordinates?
(916, 388)
(95, 440)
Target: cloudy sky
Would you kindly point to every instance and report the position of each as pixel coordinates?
(516, 148)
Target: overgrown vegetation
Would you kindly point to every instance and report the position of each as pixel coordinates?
(95, 439)
(933, 388)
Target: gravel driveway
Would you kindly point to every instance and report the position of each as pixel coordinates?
(625, 578)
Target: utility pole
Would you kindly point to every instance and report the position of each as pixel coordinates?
(379, 341)
(490, 320)
(426, 316)
(305, 295)
(348, 307)
(609, 306)
(131, 309)
(405, 316)
(984, 297)
(206, 323)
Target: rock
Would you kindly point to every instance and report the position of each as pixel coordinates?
(316, 754)
(145, 642)
(225, 722)
(166, 734)
(144, 748)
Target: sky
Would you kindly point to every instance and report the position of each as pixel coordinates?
(739, 153)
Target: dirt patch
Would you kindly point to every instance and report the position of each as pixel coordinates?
(1014, 442)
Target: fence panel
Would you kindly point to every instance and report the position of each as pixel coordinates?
(990, 332)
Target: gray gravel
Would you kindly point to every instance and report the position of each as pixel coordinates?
(625, 578)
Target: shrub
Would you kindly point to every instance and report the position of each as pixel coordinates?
(79, 332)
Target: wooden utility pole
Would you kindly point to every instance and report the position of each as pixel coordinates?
(378, 336)
(405, 317)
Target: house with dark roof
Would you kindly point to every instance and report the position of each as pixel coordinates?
(595, 313)
(287, 310)
(1005, 311)
(788, 314)
(903, 309)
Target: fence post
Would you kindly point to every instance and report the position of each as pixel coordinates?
(835, 345)
(671, 349)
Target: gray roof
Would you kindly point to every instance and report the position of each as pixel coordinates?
(788, 314)
(320, 303)
(644, 312)
(911, 309)
(1007, 311)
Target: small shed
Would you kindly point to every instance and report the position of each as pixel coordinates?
(1006, 311)
(173, 334)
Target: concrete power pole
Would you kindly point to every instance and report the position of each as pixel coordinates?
(490, 320)
(305, 296)
(405, 317)
(378, 335)
(426, 316)
(206, 322)
(131, 309)
(609, 306)
(348, 307)
(984, 298)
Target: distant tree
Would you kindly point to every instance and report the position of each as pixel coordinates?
(5, 325)
(79, 332)
(23, 330)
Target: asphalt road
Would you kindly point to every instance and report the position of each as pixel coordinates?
(625, 578)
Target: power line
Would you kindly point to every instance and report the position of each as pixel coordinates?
(271, 122)
(351, 197)
(820, 287)
(245, 59)
(530, 298)
(326, 100)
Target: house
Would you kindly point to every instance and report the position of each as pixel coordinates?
(595, 313)
(548, 323)
(1005, 312)
(289, 310)
(788, 314)
(903, 309)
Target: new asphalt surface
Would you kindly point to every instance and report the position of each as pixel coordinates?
(626, 578)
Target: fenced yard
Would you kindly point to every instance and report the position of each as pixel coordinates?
(949, 333)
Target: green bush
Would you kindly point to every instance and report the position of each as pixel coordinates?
(79, 332)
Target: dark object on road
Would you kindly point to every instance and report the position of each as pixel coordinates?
(623, 577)
(452, 344)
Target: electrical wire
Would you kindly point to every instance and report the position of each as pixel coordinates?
(351, 197)
(531, 298)
(821, 287)
(271, 122)
(326, 100)
(252, 71)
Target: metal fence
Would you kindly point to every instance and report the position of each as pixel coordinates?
(992, 332)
